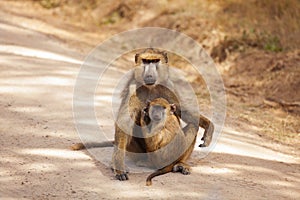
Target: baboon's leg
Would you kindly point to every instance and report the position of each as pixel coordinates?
(204, 123)
(208, 131)
(138, 148)
(118, 158)
(189, 142)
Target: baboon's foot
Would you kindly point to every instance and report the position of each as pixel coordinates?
(182, 168)
(121, 176)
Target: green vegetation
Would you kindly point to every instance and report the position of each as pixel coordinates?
(50, 3)
(261, 40)
(112, 18)
(273, 44)
(248, 39)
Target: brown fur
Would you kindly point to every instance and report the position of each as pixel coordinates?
(127, 129)
(166, 140)
(79, 146)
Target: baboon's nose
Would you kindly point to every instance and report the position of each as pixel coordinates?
(156, 118)
(149, 79)
(150, 76)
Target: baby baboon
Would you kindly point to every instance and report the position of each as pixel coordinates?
(167, 146)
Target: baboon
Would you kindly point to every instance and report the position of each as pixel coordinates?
(151, 77)
(152, 80)
(167, 146)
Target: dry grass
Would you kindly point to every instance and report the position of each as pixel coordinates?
(273, 25)
(278, 19)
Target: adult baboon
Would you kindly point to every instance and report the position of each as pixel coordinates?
(151, 78)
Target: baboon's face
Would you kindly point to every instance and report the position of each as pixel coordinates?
(157, 113)
(150, 68)
(159, 109)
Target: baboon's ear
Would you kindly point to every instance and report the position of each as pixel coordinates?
(136, 57)
(148, 103)
(165, 54)
(173, 107)
(145, 111)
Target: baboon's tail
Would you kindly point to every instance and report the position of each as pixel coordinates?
(159, 172)
(79, 146)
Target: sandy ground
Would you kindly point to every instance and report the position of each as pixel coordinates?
(38, 74)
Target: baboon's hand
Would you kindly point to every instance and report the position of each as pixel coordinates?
(206, 142)
(207, 136)
(122, 176)
(203, 144)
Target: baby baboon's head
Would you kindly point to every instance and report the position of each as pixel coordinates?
(159, 109)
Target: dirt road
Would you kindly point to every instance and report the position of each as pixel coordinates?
(38, 73)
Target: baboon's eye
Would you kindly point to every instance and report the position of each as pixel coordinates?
(148, 61)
